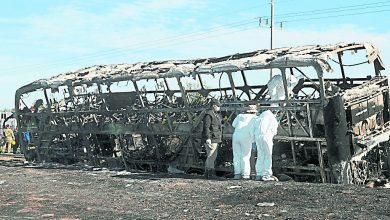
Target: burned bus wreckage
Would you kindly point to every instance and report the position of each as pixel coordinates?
(334, 120)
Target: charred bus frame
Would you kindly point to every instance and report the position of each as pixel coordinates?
(341, 123)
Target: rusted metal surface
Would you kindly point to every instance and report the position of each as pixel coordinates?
(148, 115)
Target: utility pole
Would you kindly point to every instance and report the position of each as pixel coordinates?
(272, 31)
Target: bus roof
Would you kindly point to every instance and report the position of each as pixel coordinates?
(312, 55)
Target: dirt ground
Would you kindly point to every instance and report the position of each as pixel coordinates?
(42, 193)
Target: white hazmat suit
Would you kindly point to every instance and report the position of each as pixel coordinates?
(242, 144)
(276, 88)
(265, 128)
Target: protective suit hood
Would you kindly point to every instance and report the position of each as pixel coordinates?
(243, 124)
(266, 124)
(276, 88)
(242, 120)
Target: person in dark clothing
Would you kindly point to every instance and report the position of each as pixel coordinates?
(212, 136)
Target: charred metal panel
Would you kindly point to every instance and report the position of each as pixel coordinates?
(365, 109)
(338, 139)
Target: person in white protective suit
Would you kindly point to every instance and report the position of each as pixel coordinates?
(242, 142)
(276, 89)
(265, 128)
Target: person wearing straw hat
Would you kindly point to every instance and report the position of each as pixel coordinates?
(242, 142)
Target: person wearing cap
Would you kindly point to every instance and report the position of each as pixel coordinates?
(9, 137)
(264, 129)
(212, 136)
(242, 142)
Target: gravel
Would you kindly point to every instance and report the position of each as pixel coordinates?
(30, 193)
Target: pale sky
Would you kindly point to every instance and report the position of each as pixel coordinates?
(43, 38)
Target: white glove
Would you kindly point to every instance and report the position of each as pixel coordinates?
(208, 141)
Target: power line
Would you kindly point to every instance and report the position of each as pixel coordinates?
(333, 9)
(331, 12)
(137, 45)
(180, 43)
(160, 45)
(145, 44)
(334, 16)
(339, 10)
(178, 38)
